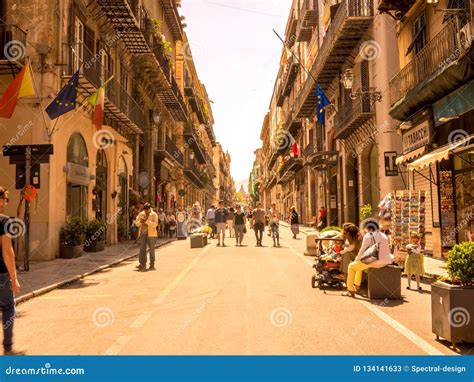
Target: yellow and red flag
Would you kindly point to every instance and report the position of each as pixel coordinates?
(22, 86)
(97, 100)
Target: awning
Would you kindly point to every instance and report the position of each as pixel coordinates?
(454, 105)
(438, 155)
(411, 155)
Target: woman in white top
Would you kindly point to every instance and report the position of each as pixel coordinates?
(373, 235)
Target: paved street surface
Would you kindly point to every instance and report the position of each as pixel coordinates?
(215, 300)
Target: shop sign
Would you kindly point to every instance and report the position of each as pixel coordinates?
(416, 137)
(78, 174)
(391, 168)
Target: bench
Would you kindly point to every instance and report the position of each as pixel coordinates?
(199, 240)
(384, 283)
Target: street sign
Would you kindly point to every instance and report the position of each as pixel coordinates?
(391, 168)
(36, 150)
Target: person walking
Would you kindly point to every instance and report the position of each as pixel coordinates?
(211, 220)
(230, 222)
(372, 237)
(275, 225)
(172, 225)
(221, 222)
(294, 221)
(258, 223)
(239, 223)
(323, 218)
(8, 279)
(161, 223)
(147, 221)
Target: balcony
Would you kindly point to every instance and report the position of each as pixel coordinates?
(292, 69)
(289, 169)
(193, 173)
(168, 149)
(439, 68)
(120, 15)
(12, 49)
(351, 21)
(172, 17)
(191, 138)
(121, 110)
(353, 117)
(309, 19)
(293, 125)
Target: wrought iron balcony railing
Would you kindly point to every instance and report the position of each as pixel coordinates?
(354, 116)
(191, 138)
(438, 53)
(12, 43)
(193, 173)
(168, 148)
(120, 107)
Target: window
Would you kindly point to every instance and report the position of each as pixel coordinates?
(76, 194)
(419, 35)
(77, 150)
(78, 46)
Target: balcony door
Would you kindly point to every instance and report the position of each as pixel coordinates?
(78, 46)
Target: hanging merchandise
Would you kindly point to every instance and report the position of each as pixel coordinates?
(408, 215)
(448, 218)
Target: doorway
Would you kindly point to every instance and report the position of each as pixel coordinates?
(101, 186)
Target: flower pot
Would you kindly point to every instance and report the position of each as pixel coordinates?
(70, 252)
(94, 246)
(452, 312)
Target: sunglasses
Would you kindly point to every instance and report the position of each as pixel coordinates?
(6, 199)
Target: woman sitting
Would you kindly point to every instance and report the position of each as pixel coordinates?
(351, 234)
(372, 236)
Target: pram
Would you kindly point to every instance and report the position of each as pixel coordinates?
(327, 262)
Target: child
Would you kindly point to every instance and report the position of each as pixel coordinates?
(414, 260)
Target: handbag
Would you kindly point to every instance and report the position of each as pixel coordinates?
(371, 254)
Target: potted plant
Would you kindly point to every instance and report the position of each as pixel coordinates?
(71, 238)
(95, 235)
(365, 212)
(452, 299)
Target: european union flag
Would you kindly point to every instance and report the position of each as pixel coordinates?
(65, 101)
(321, 103)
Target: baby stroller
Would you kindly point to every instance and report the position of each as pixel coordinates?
(327, 262)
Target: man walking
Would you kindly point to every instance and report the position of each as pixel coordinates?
(8, 280)
(147, 221)
(221, 222)
(258, 223)
(211, 220)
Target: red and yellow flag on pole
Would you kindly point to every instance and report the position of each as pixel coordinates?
(97, 100)
(22, 86)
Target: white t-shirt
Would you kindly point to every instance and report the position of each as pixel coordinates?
(385, 257)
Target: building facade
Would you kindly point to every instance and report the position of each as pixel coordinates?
(157, 141)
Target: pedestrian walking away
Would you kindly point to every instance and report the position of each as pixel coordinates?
(294, 221)
(211, 220)
(8, 279)
(161, 223)
(239, 223)
(230, 222)
(172, 225)
(258, 223)
(221, 222)
(147, 222)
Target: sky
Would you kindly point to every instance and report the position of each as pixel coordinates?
(237, 55)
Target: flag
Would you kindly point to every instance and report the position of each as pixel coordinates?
(97, 100)
(295, 151)
(65, 101)
(22, 86)
(321, 103)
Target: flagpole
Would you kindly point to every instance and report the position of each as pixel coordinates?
(294, 56)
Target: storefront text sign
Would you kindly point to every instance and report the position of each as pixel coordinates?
(78, 174)
(416, 137)
(391, 168)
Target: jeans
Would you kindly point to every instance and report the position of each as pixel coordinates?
(144, 240)
(239, 233)
(259, 228)
(275, 232)
(7, 303)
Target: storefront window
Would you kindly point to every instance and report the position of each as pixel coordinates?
(464, 186)
(76, 193)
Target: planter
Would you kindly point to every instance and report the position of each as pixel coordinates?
(198, 241)
(94, 246)
(452, 312)
(70, 252)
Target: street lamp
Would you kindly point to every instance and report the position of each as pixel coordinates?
(347, 79)
(191, 155)
(156, 116)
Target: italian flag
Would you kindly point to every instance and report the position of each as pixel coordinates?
(97, 100)
(22, 86)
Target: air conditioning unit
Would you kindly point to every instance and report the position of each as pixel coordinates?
(464, 36)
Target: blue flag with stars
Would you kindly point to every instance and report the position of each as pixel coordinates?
(321, 103)
(65, 101)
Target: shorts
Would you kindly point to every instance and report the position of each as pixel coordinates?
(221, 227)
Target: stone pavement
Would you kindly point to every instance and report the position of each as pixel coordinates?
(46, 276)
(434, 267)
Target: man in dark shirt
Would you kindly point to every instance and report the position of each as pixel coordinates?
(221, 222)
(8, 280)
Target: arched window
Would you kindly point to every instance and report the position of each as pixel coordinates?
(77, 150)
(76, 191)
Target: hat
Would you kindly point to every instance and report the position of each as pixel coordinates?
(370, 224)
